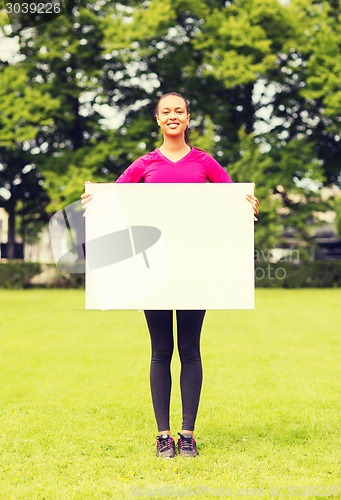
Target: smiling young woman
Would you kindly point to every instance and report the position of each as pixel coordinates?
(172, 116)
(176, 161)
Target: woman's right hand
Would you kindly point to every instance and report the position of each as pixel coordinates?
(85, 199)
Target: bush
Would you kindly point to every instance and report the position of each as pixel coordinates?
(63, 280)
(318, 274)
(52, 277)
(18, 274)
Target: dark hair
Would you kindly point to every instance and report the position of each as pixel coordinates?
(186, 134)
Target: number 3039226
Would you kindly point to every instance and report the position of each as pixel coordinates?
(33, 8)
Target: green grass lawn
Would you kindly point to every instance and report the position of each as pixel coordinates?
(76, 419)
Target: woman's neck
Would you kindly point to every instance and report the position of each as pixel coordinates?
(174, 151)
(174, 145)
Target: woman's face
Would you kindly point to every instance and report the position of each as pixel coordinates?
(172, 116)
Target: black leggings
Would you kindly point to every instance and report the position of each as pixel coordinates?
(189, 324)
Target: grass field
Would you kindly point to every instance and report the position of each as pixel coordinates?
(76, 419)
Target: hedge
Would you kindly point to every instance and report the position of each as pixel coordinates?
(319, 274)
(18, 274)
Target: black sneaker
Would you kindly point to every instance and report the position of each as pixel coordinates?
(187, 446)
(165, 446)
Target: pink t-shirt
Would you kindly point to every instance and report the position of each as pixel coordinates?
(196, 166)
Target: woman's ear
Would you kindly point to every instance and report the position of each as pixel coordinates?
(157, 120)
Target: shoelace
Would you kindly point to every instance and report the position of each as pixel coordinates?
(186, 443)
(164, 443)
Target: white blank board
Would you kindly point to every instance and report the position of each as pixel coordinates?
(169, 246)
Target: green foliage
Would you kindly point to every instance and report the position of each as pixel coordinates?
(24, 109)
(65, 182)
(236, 50)
(205, 139)
(63, 279)
(317, 23)
(286, 274)
(261, 77)
(322, 274)
(307, 98)
(253, 166)
(295, 175)
(18, 274)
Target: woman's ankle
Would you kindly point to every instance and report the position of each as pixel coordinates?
(164, 432)
(187, 432)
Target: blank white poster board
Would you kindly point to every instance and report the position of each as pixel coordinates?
(169, 246)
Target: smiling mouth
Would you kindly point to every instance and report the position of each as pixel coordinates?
(173, 124)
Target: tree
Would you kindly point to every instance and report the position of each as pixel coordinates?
(51, 137)
(234, 61)
(23, 112)
(217, 54)
(307, 102)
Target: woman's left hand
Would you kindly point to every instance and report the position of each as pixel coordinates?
(251, 198)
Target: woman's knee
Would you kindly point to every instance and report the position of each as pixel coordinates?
(189, 353)
(162, 354)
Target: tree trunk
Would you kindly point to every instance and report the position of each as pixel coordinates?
(249, 111)
(11, 231)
